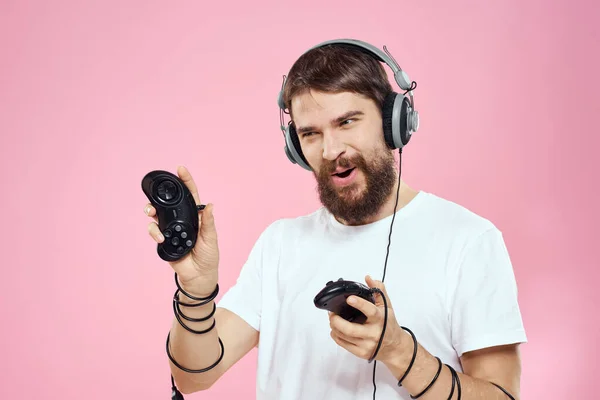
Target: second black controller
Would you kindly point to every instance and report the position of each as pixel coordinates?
(334, 295)
(176, 211)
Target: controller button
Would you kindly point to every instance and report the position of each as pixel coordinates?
(167, 233)
(178, 228)
(183, 235)
(167, 190)
(180, 249)
(175, 241)
(188, 243)
(329, 283)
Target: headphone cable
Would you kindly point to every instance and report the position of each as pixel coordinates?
(385, 265)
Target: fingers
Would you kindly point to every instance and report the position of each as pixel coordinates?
(207, 225)
(348, 339)
(153, 228)
(151, 212)
(358, 348)
(186, 177)
(155, 233)
(372, 283)
(366, 307)
(347, 343)
(347, 329)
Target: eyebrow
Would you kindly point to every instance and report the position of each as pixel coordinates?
(338, 120)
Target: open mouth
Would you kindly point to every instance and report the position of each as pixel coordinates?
(345, 173)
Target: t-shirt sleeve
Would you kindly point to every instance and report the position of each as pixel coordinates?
(485, 310)
(244, 298)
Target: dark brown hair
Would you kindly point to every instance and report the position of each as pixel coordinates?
(335, 69)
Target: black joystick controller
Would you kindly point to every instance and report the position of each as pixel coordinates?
(333, 298)
(176, 211)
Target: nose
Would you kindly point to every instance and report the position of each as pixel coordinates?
(332, 146)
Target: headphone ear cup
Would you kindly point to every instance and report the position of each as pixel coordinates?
(293, 150)
(404, 132)
(395, 110)
(387, 112)
(280, 102)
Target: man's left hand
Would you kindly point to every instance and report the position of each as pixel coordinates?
(362, 339)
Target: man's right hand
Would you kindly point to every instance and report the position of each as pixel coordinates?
(198, 270)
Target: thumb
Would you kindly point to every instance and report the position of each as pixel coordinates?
(207, 222)
(372, 283)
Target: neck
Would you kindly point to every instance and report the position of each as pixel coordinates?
(405, 195)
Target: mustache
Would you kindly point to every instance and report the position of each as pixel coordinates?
(329, 167)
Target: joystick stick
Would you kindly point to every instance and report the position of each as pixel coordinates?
(176, 211)
(333, 298)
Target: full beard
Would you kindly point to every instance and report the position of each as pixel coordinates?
(358, 202)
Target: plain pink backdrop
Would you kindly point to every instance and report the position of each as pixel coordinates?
(94, 95)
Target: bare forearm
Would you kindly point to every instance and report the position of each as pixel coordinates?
(424, 370)
(194, 351)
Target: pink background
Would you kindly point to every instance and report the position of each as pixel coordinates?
(94, 96)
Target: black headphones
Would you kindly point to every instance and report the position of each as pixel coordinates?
(400, 119)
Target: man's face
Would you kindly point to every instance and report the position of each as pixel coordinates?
(342, 139)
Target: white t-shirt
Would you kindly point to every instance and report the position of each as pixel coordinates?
(449, 278)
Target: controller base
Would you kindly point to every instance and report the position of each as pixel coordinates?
(176, 211)
(333, 297)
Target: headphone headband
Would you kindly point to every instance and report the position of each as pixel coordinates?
(400, 76)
